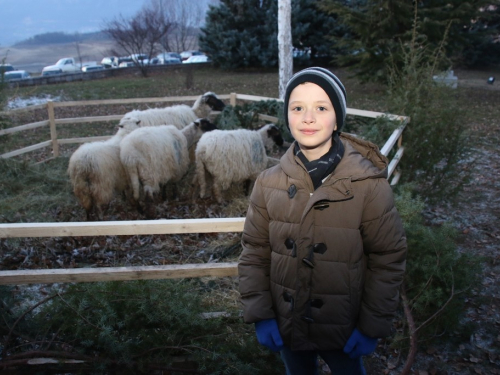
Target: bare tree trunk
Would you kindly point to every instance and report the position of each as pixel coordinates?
(285, 44)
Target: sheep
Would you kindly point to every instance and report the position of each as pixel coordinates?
(179, 115)
(233, 156)
(96, 172)
(156, 155)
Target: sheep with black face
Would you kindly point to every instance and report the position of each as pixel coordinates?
(179, 115)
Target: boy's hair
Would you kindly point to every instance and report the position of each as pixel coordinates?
(328, 82)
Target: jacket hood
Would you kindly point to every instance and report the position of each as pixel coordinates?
(362, 159)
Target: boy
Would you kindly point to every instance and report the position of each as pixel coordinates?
(323, 246)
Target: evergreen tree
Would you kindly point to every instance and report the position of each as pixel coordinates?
(310, 30)
(243, 33)
(377, 28)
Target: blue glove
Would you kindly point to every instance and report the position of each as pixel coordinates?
(269, 335)
(359, 344)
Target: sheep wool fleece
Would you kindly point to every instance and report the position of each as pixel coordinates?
(323, 262)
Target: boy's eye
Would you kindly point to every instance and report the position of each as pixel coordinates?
(297, 108)
(322, 108)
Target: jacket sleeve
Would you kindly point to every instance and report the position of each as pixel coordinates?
(255, 261)
(384, 243)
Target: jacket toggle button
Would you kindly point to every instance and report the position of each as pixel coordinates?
(317, 303)
(321, 206)
(319, 248)
(291, 245)
(287, 297)
(307, 319)
(292, 190)
(308, 261)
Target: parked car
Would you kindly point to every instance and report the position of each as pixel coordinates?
(126, 64)
(140, 58)
(92, 68)
(169, 58)
(187, 54)
(124, 59)
(6, 68)
(196, 59)
(15, 75)
(110, 62)
(64, 65)
(154, 61)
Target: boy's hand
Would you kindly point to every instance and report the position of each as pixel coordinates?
(269, 335)
(359, 344)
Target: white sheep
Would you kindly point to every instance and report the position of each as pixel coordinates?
(96, 172)
(179, 115)
(153, 156)
(233, 156)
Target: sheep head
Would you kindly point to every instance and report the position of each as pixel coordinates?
(204, 125)
(128, 124)
(213, 101)
(274, 133)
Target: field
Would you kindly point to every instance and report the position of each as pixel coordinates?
(41, 192)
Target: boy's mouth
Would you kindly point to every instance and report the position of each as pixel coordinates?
(308, 132)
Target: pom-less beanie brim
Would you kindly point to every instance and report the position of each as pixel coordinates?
(328, 82)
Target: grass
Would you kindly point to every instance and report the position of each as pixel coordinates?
(483, 118)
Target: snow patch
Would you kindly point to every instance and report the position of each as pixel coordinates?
(34, 100)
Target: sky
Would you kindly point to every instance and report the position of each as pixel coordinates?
(22, 19)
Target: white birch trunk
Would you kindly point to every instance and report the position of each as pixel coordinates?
(285, 44)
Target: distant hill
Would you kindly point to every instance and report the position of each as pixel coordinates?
(62, 38)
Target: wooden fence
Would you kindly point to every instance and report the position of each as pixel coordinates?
(140, 227)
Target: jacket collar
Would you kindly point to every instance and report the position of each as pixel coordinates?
(362, 159)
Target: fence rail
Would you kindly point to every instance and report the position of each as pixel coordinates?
(140, 227)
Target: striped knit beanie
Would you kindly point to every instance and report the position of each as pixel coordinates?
(328, 82)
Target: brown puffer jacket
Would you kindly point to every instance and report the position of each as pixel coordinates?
(323, 262)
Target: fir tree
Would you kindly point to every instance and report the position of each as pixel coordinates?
(243, 33)
(377, 28)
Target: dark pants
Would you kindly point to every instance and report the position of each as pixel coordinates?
(306, 362)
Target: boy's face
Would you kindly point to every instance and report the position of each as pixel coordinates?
(312, 119)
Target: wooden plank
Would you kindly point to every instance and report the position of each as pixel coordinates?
(117, 228)
(389, 144)
(394, 162)
(76, 120)
(126, 101)
(396, 178)
(80, 275)
(83, 140)
(133, 100)
(25, 150)
(254, 98)
(32, 125)
(24, 109)
(268, 118)
(53, 130)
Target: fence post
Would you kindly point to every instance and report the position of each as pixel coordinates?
(232, 99)
(53, 131)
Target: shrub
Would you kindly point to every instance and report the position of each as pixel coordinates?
(138, 327)
(438, 276)
(436, 139)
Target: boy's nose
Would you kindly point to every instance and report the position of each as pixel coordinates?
(308, 117)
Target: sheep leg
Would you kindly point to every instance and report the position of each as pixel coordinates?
(217, 191)
(246, 185)
(150, 210)
(199, 178)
